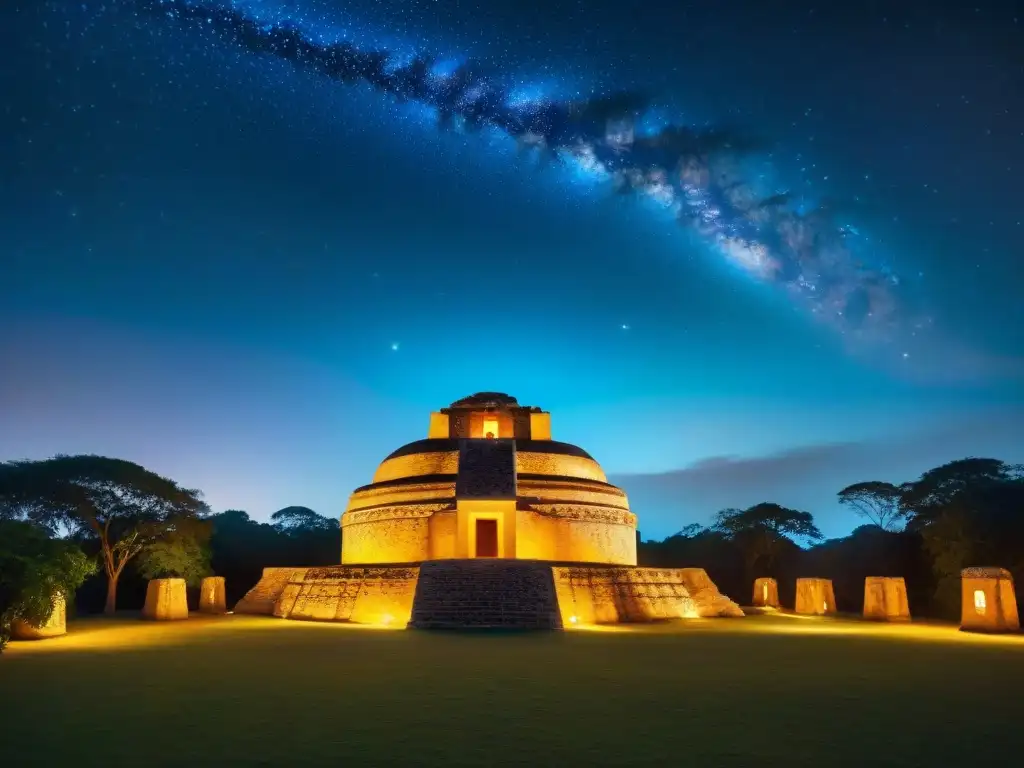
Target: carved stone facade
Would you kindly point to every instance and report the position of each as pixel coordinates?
(560, 503)
(487, 522)
(457, 594)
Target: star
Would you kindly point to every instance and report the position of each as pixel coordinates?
(394, 346)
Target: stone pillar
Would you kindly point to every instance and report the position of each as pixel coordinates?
(212, 597)
(885, 598)
(814, 597)
(988, 602)
(166, 600)
(766, 593)
(54, 625)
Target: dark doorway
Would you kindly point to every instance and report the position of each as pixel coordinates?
(486, 538)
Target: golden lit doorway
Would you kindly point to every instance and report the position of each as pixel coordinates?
(486, 538)
(490, 428)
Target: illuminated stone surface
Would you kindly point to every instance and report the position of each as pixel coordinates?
(487, 522)
(212, 598)
(766, 593)
(988, 603)
(454, 594)
(166, 600)
(885, 598)
(549, 500)
(814, 597)
(54, 626)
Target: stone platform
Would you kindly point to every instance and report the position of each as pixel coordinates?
(505, 593)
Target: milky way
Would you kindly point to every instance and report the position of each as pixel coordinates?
(694, 174)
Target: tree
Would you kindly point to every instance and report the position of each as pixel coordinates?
(924, 499)
(298, 520)
(35, 572)
(879, 502)
(182, 552)
(125, 506)
(967, 512)
(763, 530)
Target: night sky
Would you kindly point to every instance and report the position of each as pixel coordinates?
(742, 251)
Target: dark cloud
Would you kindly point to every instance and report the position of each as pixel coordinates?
(809, 477)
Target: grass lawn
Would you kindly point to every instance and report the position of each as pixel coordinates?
(760, 691)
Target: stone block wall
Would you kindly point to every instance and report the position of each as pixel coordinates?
(603, 594)
(262, 597)
(815, 597)
(989, 603)
(370, 594)
(166, 600)
(766, 593)
(885, 598)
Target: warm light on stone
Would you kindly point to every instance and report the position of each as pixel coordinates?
(814, 597)
(548, 500)
(212, 596)
(766, 593)
(885, 598)
(54, 625)
(487, 522)
(989, 603)
(166, 600)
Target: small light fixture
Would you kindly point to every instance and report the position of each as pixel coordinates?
(386, 619)
(979, 601)
(824, 607)
(574, 619)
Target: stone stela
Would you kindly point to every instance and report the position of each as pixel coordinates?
(487, 522)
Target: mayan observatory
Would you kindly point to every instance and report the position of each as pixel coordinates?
(488, 522)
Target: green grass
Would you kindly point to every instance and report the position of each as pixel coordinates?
(761, 691)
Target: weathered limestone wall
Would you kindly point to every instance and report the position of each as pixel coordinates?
(988, 602)
(766, 593)
(261, 598)
(417, 465)
(815, 597)
(397, 535)
(166, 600)
(54, 625)
(885, 598)
(443, 530)
(212, 596)
(607, 594)
(535, 536)
(380, 595)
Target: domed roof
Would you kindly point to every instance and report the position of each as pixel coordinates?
(486, 400)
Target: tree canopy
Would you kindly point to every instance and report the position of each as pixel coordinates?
(124, 506)
(35, 571)
(183, 551)
(881, 503)
(302, 520)
(763, 529)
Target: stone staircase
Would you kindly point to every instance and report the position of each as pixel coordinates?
(485, 594)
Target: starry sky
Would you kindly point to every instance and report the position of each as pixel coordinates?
(742, 251)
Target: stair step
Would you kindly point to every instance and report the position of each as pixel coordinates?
(463, 594)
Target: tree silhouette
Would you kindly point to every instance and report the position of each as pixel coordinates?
(879, 502)
(125, 506)
(761, 530)
(300, 520)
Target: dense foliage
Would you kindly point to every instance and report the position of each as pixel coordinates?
(965, 513)
(968, 512)
(35, 572)
(122, 507)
